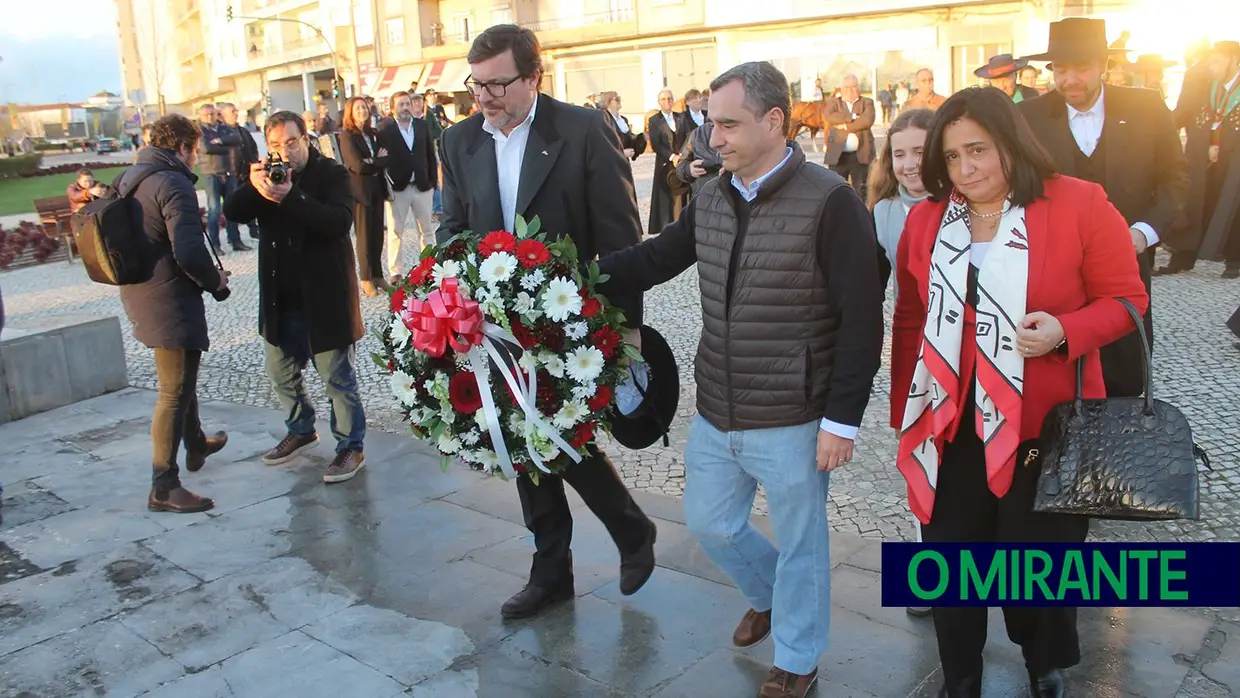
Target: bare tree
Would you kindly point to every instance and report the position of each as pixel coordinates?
(154, 58)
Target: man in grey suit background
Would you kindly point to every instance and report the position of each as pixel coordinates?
(526, 154)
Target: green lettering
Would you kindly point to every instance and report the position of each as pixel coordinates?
(1039, 576)
(1014, 577)
(1143, 557)
(1167, 575)
(1072, 576)
(971, 577)
(916, 587)
(1102, 568)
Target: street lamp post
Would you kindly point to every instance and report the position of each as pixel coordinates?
(337, 81)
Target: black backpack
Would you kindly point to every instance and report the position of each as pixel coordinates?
(109, 237)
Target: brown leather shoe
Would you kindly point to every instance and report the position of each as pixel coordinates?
(215, 444)
(178, 501)
(785, 684)
(753, 628)
(344, 466)
(288, 448)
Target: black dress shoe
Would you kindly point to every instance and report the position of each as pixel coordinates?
(531, 600)
(214, 444)
(968, 688)
(635, 569)
(1048, 685)
(1231, 273)
(241, 247)
(1169, 270)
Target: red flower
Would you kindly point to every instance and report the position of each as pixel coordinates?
(582, 435)
(590, 305)
(463, 393)
(524, 335)
(398, 299)
(391, 367)
(422, 272)
(531, 253)
(498, 241)
(551, 336)
(601, 399)
(517, 467)
(607, 340)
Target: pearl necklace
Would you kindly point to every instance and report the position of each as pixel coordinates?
(992, 214)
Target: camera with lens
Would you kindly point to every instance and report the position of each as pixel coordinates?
(276, 168)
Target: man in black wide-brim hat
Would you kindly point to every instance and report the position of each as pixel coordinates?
(1001, 72)
(1123, 138)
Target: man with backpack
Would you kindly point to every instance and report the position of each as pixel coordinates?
(166, 307)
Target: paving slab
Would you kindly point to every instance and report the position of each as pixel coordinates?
(391, 584)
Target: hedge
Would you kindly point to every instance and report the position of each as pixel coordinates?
(20, 165)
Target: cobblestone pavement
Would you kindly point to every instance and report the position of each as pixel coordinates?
(1196, 370)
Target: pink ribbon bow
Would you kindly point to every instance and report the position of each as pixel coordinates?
(444, 319)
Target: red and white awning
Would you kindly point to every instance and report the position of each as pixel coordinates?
(442, 76)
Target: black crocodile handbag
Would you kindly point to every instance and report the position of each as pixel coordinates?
(1126, 458)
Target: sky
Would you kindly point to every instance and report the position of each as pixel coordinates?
(58, 51)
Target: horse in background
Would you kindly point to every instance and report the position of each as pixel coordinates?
(808, 115)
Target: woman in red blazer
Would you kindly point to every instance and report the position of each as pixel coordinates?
(1006, 276)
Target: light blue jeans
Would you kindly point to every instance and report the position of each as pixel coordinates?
(793, 581)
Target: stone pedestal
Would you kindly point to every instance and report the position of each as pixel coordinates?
(58, 361)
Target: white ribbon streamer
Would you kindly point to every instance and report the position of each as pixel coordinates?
(525, 393)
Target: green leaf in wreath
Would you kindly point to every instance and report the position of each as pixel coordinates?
(444, 462)
(379, 360)
(534, 226)
(632, 352)
(522, 228)
(532, 474)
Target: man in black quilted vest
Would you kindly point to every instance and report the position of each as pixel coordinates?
(792, 333)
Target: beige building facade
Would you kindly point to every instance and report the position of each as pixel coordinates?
(282, 54)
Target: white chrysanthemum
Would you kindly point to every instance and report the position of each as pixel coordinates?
(400, 334)
(584, 364)
(576, 330)
(528, 363)
(447, 444)
(421, 415)
(533, 280)
(515, 423)
(498, 267)
(544, 447)
(403, 387)
(481, 420)
(486, 458)
(470, 438)
(569, 415)
(560, 301)
(523, 303)
(553, 363)
(447, 269)
(585, 391)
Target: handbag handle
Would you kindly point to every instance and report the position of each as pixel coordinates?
(1078, 403)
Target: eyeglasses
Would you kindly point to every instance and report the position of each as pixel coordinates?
(289, 146)
(496, 89)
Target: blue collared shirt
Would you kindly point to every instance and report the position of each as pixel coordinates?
(749, 193)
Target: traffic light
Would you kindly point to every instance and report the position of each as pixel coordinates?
(228, 12)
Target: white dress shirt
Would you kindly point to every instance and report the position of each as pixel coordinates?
(406, 133)
(670, 118)
(696, 116)
(1086, 127)
(852, 142)
(621, 124)
(509, 154)
(749, 193)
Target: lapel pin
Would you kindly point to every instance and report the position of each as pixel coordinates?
(1122, 122)
(544, 152)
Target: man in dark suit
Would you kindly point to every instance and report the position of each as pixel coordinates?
(692, 117)
(666, 136)
(526, 154)
(1122, 138)
(412, 172)
(850, 140)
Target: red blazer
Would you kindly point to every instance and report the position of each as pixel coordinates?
(1080, 259)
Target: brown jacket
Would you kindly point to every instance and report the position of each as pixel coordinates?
(932, 101)
(841, 123)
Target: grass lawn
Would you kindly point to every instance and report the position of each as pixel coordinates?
(18, 195)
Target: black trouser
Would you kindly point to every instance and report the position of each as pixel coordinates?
(1185, 259)
(176, 415)
(368, 226)
(851, 169)
(547, 516)
(965, 510)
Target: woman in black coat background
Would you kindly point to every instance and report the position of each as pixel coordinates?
(365, 159)
(167, 311)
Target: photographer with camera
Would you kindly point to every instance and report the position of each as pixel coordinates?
(167, 310)
(308, 301)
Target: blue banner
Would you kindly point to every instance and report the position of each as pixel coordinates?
(1061, 574)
